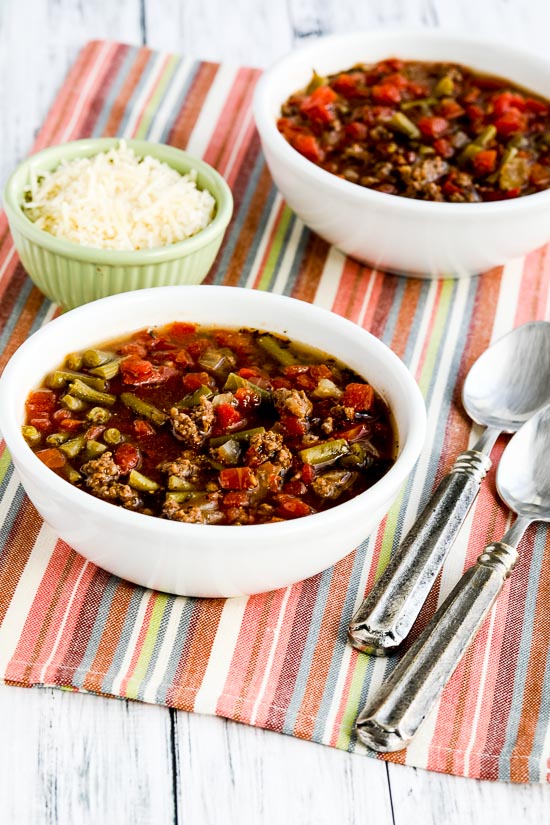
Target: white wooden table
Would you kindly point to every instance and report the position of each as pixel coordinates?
(71, 759)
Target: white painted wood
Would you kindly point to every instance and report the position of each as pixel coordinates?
(68, 759)
(71, 758)
(237, 31)
(422, 797)
(247, 775)
(39, 41)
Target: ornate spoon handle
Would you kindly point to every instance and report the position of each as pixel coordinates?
(389, 611)
(391, 719)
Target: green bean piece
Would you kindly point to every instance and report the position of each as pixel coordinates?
(483, 139)
(59, 378)
(325, 452)
(401, 123)
(243, 435)
(143, 408)
(86, 393)
(422, 101)
(108, 370)
(31, 435)
(73, 361)
(469, 152)
(96, 357)
(99, 415)
(277, 351)
(73, 446)
(486, 136)
(358, 456)
(183, 496)
(140, 482)
(426, 150)
(316, 81)
(113, 436)
(94, 448)
(234, 382)
(193, 398)
(179, 484)
(444, 86)
(73, 475)
(71, 403)
(55, 439)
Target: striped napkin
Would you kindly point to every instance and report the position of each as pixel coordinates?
(280, 660)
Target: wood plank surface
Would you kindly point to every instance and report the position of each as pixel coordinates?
(77, 759)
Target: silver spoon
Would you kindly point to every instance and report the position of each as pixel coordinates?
(505, 386)
(392, 718)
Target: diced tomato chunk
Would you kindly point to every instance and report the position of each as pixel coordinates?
(433, 127)
(356, 130)
(43, 425)
(318, 371)
(127, 456)
(318, 105)
(52, 458)
(292, 370)
(142, 429)
(59, 415)
(397, 79)
(183, 358)
(505, 101)
(193, 380)
(135, 370)
(133, 348)
(485, 161)
(181, 329)
(197, 347)
(236, 498)
(41, 401)
(537, 107)
(247, 398)
(358, 396)
(386, 93)
(70, 425)
(443, 147)
(475, 112)
(308, 473)
(293, 426)
(238, 478)
(450, 109)
(308, 146)
(227, 417)
(511, 122)
(250, 373)
(281, 384)
(291, 507)
(540, 175)
(348, 85)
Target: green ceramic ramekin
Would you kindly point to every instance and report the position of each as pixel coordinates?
(71, 274)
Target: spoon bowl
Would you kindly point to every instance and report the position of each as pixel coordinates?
(510, 380)
(523, 475)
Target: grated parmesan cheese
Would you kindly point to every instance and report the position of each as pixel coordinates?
(117, 200)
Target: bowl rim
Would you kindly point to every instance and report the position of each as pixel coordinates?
(87, 147)
(374, 497)
(302, 166)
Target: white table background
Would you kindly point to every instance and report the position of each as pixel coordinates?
(72, 759)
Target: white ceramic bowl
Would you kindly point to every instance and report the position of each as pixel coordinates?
(196, 559)
(420, 238)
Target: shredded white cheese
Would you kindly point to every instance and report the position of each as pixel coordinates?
(117, 200)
